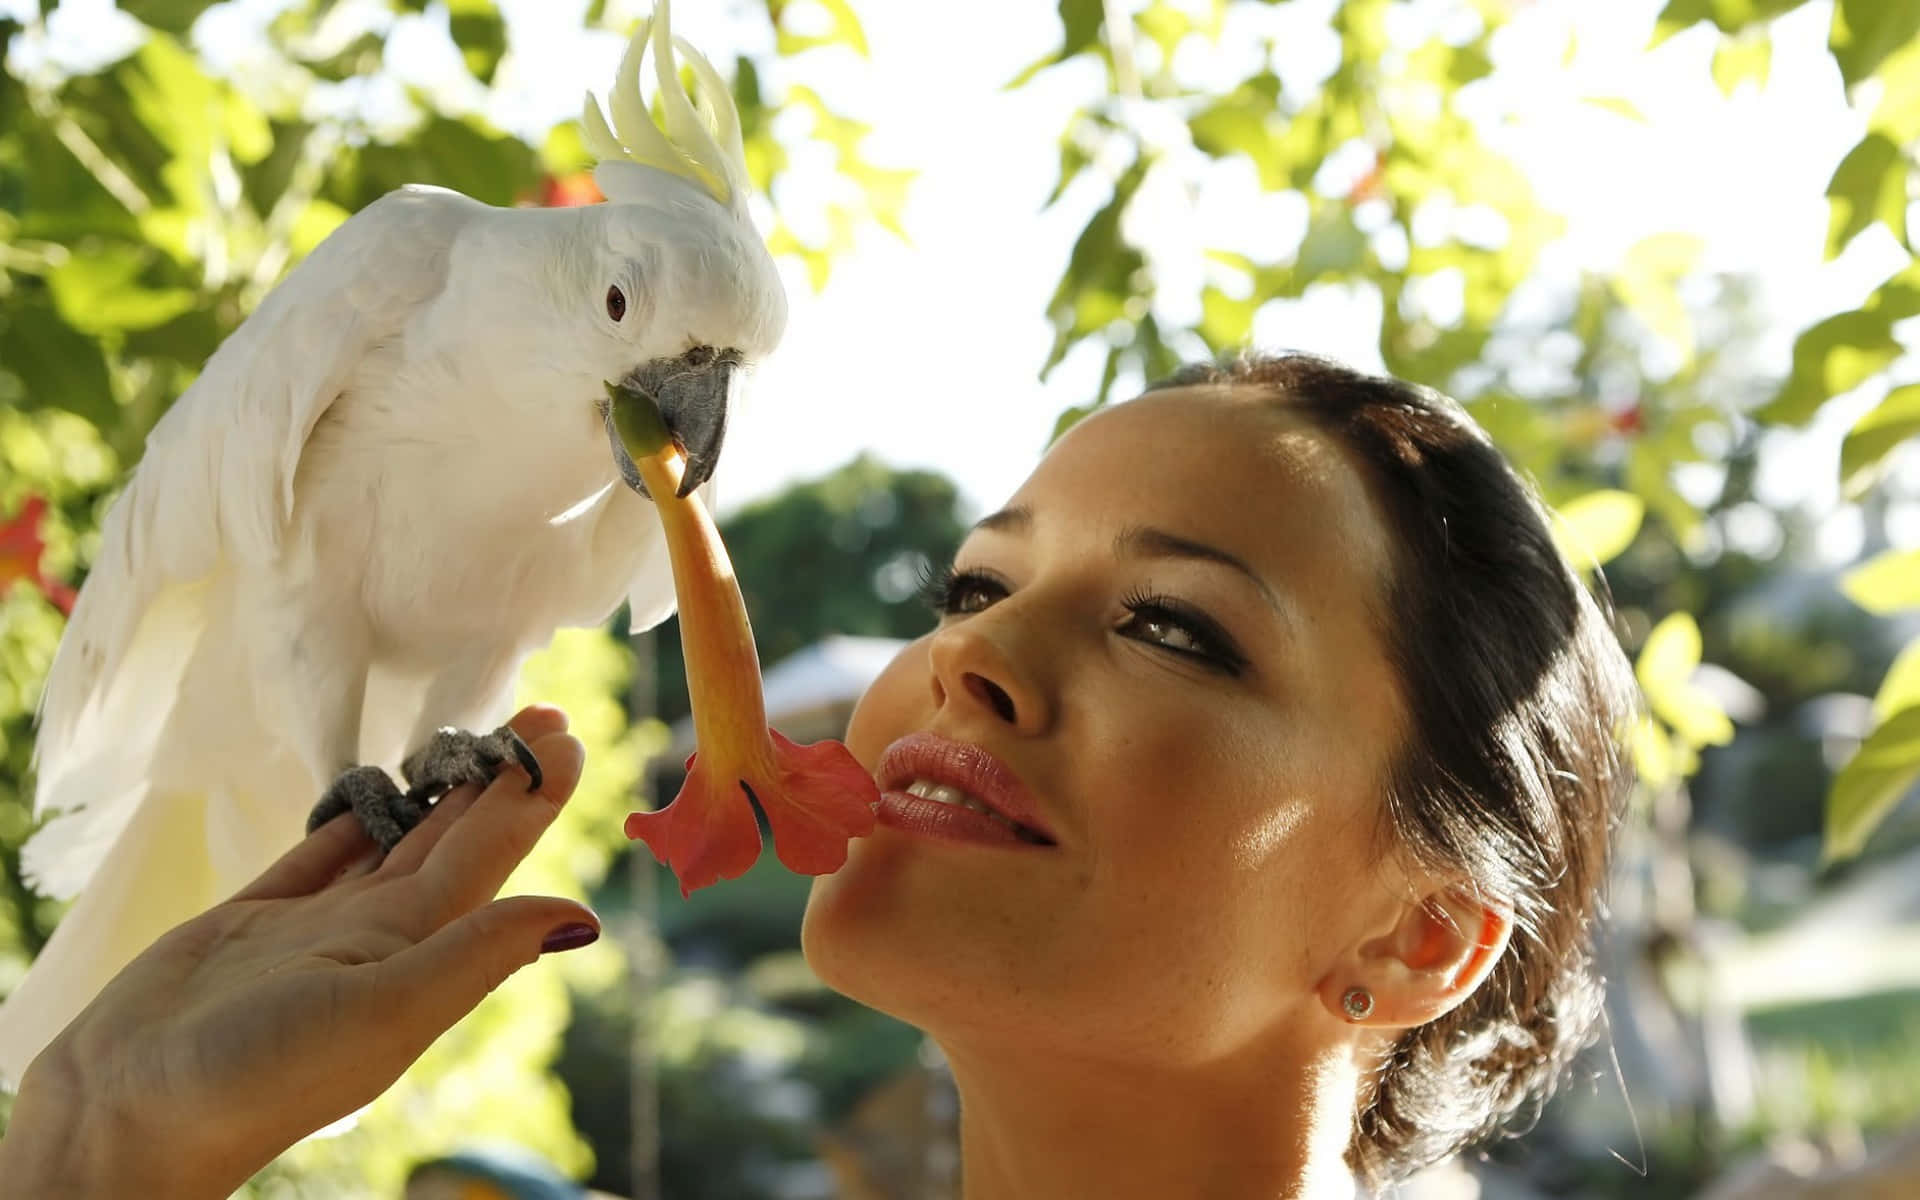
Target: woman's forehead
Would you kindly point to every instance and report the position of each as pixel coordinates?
(1236, 463)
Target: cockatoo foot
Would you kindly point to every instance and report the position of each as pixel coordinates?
(452, 757)
(385, 812)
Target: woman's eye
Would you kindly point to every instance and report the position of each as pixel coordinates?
(1175, 626)
(1168, 633)
(956, 593)
(616, 302)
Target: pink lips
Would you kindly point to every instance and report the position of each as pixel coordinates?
(961, 765)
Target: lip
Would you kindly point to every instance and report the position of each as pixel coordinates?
(963, 765)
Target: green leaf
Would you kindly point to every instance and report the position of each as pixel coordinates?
(1869, 185)
(1618, 105)
(1226, 322)
(1738, 59)
(168, 16)
(1665, 670)
(1900, 688)
(1237, 123)
(844, 30)
(480, 33)
(1871, 783)
(1895, 419)
(1897, 115)
(57, 366)
(1885, 583)
(1648, 283)
(1845, 350)
(1596, 528)
(102, 291)
(1865, 32)
(1671, 652)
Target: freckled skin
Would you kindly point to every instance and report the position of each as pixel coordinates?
(1215, 851)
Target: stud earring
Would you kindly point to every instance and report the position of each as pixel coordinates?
(1358, 1003)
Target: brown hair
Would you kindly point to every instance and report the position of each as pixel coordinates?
(1514, 770)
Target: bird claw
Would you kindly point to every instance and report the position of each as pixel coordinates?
(450, 758)
(384, 811)
(455, 756)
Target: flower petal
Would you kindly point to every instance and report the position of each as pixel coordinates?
(822, 798)
(708, 832)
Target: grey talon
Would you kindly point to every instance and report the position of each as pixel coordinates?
(525, 754)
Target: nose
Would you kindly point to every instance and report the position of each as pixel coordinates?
(978, 663)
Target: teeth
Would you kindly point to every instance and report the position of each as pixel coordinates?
(945, 794)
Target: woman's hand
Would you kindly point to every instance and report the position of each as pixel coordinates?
(297, 1001)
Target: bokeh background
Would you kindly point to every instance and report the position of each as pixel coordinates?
(1661, 250)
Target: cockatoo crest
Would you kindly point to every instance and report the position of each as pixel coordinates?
(699, 145)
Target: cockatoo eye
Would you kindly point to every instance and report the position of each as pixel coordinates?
(616, 302)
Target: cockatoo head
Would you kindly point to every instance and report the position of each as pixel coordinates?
(690, 286)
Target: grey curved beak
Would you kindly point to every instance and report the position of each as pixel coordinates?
(694, 393)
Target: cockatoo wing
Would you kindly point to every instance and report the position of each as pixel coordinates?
(216, 482)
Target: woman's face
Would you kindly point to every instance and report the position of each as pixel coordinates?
(1161, 659)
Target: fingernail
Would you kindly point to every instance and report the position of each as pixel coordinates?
(570, 937)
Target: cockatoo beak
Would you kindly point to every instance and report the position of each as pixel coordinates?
(693, 393)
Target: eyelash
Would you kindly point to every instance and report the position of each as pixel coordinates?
(943, 589)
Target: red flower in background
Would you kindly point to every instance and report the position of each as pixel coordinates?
(20, 549)
(569, 191)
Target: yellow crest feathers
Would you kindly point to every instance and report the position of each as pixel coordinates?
(701, 142)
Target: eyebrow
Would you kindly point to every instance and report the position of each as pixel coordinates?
(1145, 541)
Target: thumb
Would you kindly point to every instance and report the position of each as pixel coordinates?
(442, 979)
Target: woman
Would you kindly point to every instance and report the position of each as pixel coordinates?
(1300, 752)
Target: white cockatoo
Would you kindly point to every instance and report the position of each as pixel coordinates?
(388, 487)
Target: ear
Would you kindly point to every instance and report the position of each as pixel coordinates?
(1435, 955)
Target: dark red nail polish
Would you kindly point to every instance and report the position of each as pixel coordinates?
(570, 937)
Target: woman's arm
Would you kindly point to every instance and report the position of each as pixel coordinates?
(297, 1001)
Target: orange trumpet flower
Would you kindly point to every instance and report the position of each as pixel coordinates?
(816, 796)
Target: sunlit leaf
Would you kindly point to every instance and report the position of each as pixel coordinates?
(1900, 687)
(1670, 653)
(1737, 60)
(1869, 185)
(102, 291)
(843, 30)
(481, 34)
(1665, 669)
(1839, 353)
(1619, 106)
(1595, 528)
(168, 16)
(1648, 283)
(1865, 32)
(1897, 115)
(1871, 783)
(1886, 583)
(1891, 422)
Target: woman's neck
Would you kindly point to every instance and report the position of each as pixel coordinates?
(1037, 1126)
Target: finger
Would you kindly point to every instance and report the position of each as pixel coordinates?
(475, 856)
(536, 721)
(413, 849)
(423, 990)
(313, 863)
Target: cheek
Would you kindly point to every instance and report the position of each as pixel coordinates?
(892, 705)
